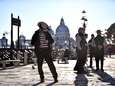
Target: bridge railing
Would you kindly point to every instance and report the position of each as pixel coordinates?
(10, 56)
(23, 56)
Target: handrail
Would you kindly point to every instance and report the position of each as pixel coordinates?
(11, 54)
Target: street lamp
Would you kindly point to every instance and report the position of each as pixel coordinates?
(84, 19)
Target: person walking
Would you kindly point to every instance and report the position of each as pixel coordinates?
(42, 41)
(91, 46)
(81, 50)
(99, 50)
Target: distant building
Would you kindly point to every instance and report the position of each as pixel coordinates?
(53, 36)
(62, 36)
(28, 43)
(51, 32)
(22, 39)
(72, 44)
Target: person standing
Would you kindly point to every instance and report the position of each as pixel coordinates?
(91, 45)
(99, 50)
(81, 50)
(42, 41)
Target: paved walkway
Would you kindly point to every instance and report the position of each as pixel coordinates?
(26, 76)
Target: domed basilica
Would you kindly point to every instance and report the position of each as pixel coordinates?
(62, 36)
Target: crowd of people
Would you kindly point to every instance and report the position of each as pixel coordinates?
(42, 41)
(95, 46)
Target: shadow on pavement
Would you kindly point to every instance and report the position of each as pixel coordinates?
(11, 67)
(50, 84)
(81, 80)
(105, 77)
(36, 84)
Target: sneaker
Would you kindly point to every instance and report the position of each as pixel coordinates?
(42, 80)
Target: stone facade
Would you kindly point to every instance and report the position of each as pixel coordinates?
(62, 36)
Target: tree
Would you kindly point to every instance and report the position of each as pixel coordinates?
(111, 29)
(111, 32)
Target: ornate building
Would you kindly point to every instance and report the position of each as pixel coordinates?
(51, 32)
(62, 36)
(53, 36)
(22, 39)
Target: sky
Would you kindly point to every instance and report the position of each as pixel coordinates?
(100, 15)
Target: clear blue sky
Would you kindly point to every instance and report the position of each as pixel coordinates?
(100, 14)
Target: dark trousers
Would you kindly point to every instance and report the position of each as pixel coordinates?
(91, 62)
(97, 63)
(99, 58)
(91, 59)
(80, 65)
(45, 54)
(82, 57)
(91, 55)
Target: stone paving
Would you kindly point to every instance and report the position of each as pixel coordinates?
(26, 76)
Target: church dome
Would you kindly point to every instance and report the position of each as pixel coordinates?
(62, 28)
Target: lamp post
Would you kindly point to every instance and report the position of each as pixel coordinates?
(84, 19)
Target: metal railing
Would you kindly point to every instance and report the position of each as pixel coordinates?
(14, 54)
